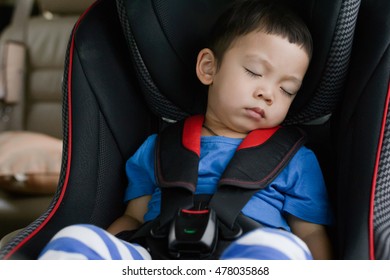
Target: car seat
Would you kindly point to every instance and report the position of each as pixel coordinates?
(31, 123)
(130, 71)
(362, 141)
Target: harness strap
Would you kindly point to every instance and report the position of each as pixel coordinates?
(177, 168)
(253, 168)
(258, 160)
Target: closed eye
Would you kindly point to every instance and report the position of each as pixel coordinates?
(287, 92)
(252, 74)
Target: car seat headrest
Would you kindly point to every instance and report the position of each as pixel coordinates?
(165, 52)
(62, 7)
(165, 36)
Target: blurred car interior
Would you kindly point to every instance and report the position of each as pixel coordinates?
(33, 42)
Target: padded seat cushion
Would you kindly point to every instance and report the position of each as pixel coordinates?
(30, 162)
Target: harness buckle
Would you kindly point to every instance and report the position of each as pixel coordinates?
(193, 233)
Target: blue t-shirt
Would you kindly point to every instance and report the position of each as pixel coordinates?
(299, 189)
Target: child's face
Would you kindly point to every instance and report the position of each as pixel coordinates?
(256, 83)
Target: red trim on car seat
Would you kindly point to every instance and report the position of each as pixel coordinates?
(374, 180)
(192, 131)
(64, 187)
(257, 137)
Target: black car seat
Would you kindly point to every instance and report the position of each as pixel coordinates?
(362, 141)
(130, 71)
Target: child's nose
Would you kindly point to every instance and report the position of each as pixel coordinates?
(265, 94)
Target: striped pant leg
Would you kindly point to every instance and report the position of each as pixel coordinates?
(88, 242)
(268, 244)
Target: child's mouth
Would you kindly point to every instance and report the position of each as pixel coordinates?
(256, 112)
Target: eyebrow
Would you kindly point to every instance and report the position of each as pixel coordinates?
(259, 59)
(269, 65)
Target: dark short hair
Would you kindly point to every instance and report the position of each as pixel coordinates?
(245, 16)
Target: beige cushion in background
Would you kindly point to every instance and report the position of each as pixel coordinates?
(30, 162)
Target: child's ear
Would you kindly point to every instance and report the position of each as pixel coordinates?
(205, 66)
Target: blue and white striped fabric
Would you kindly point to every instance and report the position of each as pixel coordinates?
(268, 244)
(88, 242)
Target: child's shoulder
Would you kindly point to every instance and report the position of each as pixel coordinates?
(305, 156)
(151, 138)
(305, 151)
(148, 144)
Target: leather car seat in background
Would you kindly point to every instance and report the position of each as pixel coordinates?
(31, 125)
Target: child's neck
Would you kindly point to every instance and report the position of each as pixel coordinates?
(210, 131)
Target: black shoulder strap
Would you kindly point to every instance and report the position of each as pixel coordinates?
(176, 165)
(258, 160)
(252, 168)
